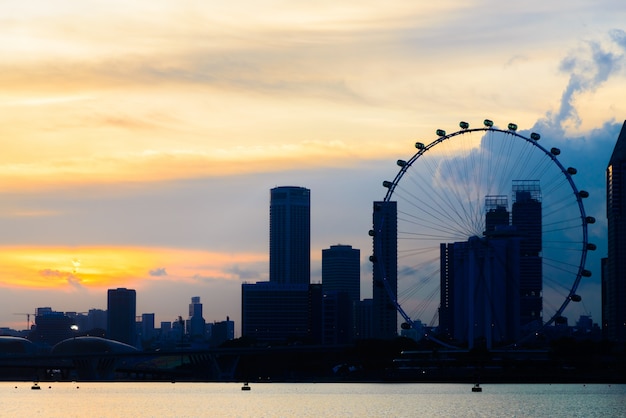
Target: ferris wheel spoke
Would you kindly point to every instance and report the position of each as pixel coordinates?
(429, 213)
(443, 194)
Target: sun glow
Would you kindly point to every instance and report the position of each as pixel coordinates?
(102, 267)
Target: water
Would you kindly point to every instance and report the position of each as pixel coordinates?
(309, 400)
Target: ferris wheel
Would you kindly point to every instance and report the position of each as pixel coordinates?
(490, 236)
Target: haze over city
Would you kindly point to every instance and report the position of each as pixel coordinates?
(140, 141)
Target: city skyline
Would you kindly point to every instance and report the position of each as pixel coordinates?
(139, 141)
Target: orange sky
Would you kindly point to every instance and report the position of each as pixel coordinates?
(106, 267)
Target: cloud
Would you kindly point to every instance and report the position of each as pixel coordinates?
(70, 278)
(619, 37)
(588, 68)
(74, 281)
(206, 279)
(158, 272)
(51, 273)
(244, 274)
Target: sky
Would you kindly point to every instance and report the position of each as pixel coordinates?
(140, 140)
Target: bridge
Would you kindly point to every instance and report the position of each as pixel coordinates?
(95, 359)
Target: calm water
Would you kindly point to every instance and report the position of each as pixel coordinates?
(309, 400)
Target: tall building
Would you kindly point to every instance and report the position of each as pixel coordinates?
(491, 285)
(385, 268)
(479, 290)
(290, 235)
(147, 326)
(341, 276)
(497, 214)
(287, 307)
(196, 325)
(121, 311)
(614, 277)
(526, 218)
(341, 270)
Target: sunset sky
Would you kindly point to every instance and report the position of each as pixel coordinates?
(140, 139)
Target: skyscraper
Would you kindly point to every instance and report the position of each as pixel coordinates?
(614, 279)
(341, 276)
(288, 306)
(526, 218)
(147, 328)
(341, 270)
(121, 308)
(384, 313)
(479, 289)
(196, 323)
(290, 235)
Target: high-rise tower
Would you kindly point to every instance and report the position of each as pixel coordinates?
(290, 235)
(341, 278)
(121, 309)
(526, 218)
(384, 313)
(341, 270)
(614, 279)
(196, 324)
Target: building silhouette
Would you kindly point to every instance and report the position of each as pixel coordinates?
(51, 327)
(287, 307)
(363, 319)
(614, 267)
(281, 312)
(97, 319)
(526, 218)
(222, 331)
(121, 311)
(385, 268)
(341, 277)
(147, 328)
(290, 235)
(341, 270)
(491, 286)
(480, 290)
(196, 325)
(496, 214)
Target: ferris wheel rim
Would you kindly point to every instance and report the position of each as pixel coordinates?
(406, 165)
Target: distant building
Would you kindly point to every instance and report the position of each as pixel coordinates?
(51, 327)
(614, 277)
(385, 267)
(338, 318)
(341, 281)
(491, 286)
(341, 270)
(526, 218)
(363, 319)
(480, 291)
(290, 235)
(196, 327)
(121, 311)
(281, 312)
(147, 327)
(96, 319)
(281, 309)
(222, 331)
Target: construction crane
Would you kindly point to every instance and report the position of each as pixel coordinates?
(27, 319)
